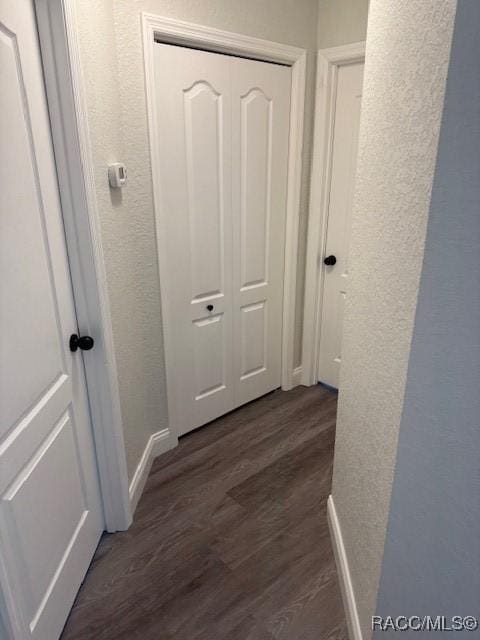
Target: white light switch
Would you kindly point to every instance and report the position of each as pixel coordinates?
(117, 175)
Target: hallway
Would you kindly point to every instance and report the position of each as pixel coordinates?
(230, 539)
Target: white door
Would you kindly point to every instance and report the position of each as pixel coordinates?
(223, 127)
(50, 510)
(342, 182)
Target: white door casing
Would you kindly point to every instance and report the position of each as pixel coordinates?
(50, 508)
(340, 201)
(158, 28)
(223, 126)
(57, 24)
(329, 65)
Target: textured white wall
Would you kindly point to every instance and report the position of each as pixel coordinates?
(112, 59)
(432, 551)
(408, 48)
(341, 22)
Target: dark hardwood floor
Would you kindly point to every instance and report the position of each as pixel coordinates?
(230, 539)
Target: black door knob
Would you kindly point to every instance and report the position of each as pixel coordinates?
(85, 343)
(209, 307)
(330, 261)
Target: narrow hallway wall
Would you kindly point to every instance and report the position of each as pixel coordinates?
(432, 551)
(408, 48)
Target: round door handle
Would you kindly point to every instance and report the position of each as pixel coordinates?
(330, 261)
(209, 307)
(85, 343)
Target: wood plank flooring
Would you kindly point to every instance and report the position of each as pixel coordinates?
(230, 539)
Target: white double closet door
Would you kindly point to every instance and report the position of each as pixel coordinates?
(223, 129)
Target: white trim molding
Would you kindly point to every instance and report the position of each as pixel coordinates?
(343, 570)
(157, 444)
(198, 36)
(328, 63)
(71, 141)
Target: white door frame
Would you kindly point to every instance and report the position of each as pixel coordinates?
(328, 63)
(207, 38)
(66, 103)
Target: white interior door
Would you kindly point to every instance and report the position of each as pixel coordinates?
(50, 510)
(342, 182)
(222, 126)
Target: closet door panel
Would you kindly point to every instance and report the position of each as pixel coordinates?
(205, 179)
(260, 127)
(255, 168)
(194, 131)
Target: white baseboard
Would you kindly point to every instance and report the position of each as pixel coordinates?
(346, 586)
(159, 443)
(297, 377)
